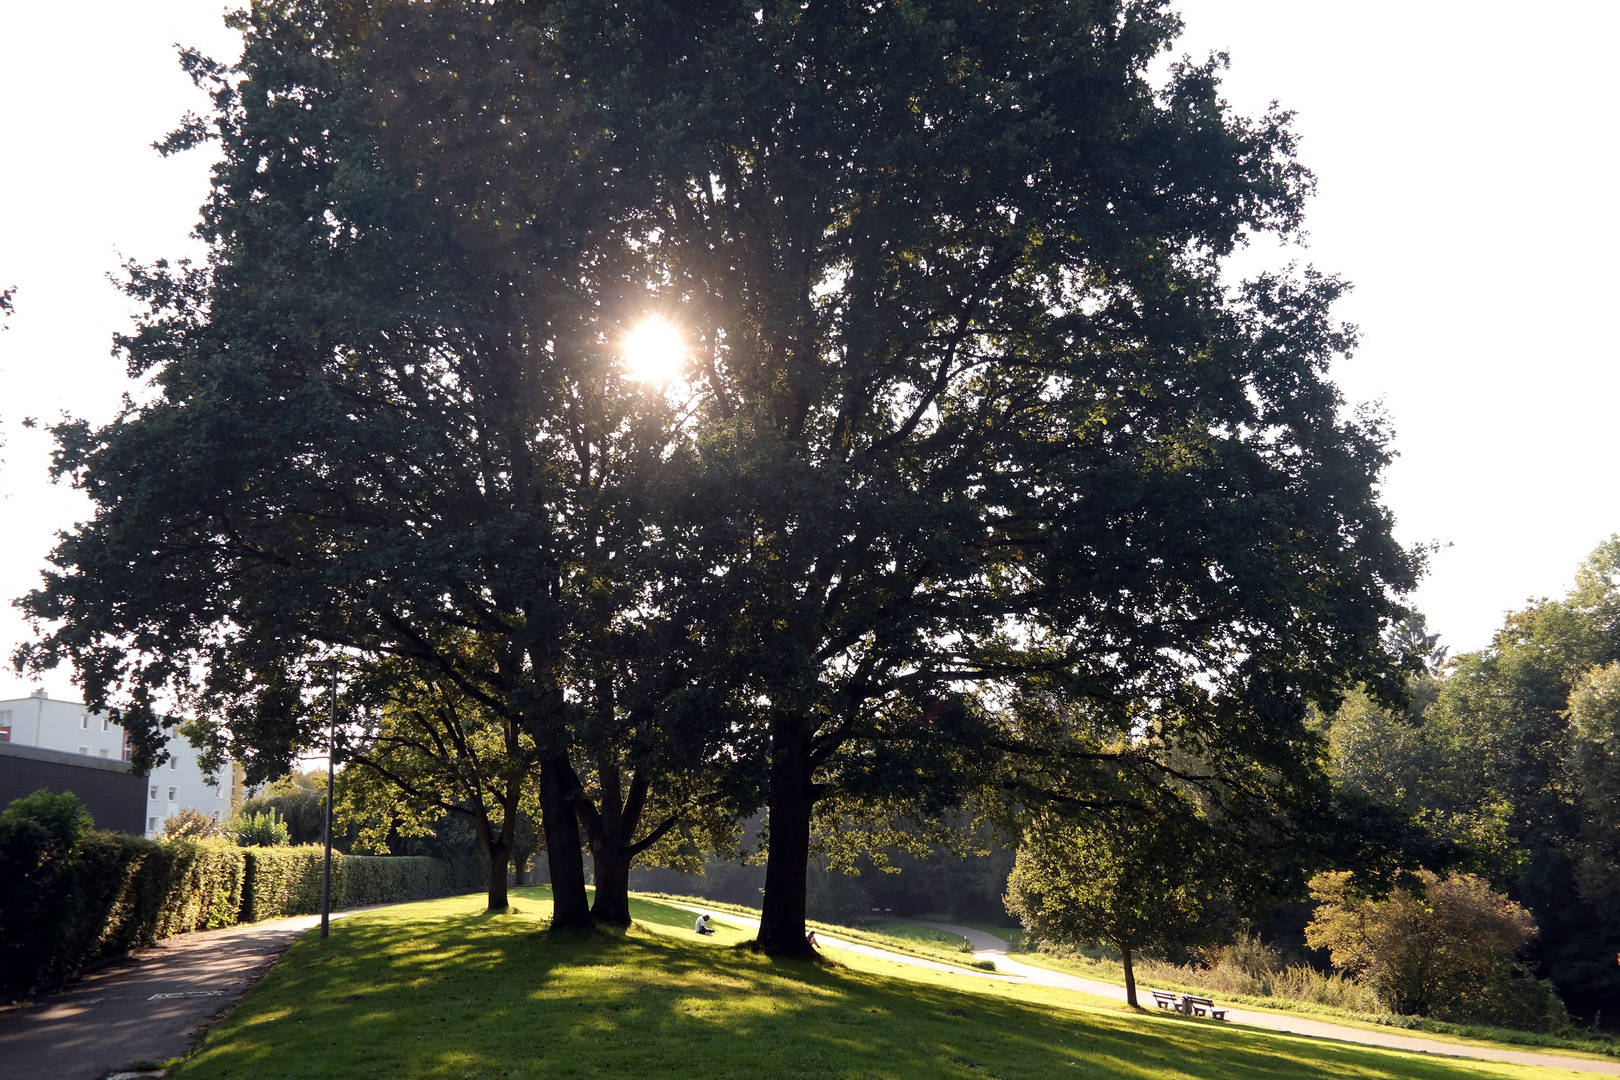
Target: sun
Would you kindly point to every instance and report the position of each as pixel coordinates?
(654, 352)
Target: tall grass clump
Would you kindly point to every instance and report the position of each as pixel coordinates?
(1247, 967)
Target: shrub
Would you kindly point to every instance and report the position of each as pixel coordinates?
(1450, 953)
(386, 879)
(202, 886)
(39, 906)
(300, 800)
(190, 824)
(258, 830)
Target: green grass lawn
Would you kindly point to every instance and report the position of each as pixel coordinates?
(921, 935)
(443, 990)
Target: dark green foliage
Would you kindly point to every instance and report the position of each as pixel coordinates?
(967, 364)
(104, 894)
(1150, 884)
(40, 907)
(386, 423)
(970, 407)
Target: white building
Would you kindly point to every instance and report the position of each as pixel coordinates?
(68, 726)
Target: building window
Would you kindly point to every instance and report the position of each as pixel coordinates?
(154, 794)
(84, 721)
(85, 750)
(151, 824)
(102, 752)
(106, 723)
(174, 762)
(171, 793)
(5, 734)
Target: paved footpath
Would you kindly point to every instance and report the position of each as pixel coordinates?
(143, 1008)
(989, 947)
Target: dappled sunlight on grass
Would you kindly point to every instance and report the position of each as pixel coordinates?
(444, 990)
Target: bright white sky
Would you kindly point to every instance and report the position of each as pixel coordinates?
(1464, 152)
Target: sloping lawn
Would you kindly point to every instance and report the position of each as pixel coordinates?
(440, 989)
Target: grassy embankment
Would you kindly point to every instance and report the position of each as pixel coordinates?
(923, 941)
(1104, 969)
(441, 989)
(947, 947)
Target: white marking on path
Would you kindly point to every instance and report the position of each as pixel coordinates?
(192, 994)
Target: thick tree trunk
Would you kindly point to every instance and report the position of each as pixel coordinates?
(612, 903)
(563, 853)
(499, 859)
(498, 851)
(520, 866)
(1130, 976)
(781, 922)
(611, 831)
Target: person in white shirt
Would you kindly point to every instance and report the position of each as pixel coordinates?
(702, 926)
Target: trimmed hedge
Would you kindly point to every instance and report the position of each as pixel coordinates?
(69, 897)
(105, 894)
(285, 881)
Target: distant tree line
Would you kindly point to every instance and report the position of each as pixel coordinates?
(1513, 754)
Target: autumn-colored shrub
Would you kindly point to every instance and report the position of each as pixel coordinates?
(1450, 950)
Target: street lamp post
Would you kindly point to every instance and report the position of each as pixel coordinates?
(331, 751)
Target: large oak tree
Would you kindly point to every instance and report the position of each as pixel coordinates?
(386, 421)
(978, 405)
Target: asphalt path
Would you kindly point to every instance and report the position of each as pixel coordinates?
(990, 947)
(143, 1008)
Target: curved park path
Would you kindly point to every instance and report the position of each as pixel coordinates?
(989, 947)
(145, 1007)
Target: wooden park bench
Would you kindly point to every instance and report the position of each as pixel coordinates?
(1193, 1005)
(1164, 999)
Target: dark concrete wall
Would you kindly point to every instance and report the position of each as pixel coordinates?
(115, 797)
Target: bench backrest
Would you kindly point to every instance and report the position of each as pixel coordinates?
(1197, 1000)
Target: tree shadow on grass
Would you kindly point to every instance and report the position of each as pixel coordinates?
(449, 991)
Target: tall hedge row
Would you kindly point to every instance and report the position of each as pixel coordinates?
(69, 897)
(284, 881)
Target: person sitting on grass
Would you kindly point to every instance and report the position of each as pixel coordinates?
(810, 939)
(702, 926)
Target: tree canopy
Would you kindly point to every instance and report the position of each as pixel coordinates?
(980, 403)
(970, 412)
